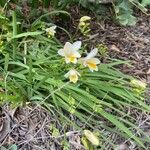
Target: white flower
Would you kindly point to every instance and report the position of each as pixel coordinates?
(70, 52)
(82, 24)
(90, 61)
(51, 31)
(138, 84)
(85, 18)
(72, 75)
(91, 137)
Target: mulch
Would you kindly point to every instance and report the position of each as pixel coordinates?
(126, 43)
(129, 43)
(34, 128)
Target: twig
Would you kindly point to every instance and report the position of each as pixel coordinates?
(37, 107)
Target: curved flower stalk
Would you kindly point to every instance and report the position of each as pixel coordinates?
(85, 18)
(72, 75)
(70, 52)
(51, 31)
(84, 25)
(90, 61)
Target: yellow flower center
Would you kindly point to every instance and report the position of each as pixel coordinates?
(72, 58)
(73, 78)
(91, 65)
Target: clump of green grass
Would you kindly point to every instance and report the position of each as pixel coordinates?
(32, 71)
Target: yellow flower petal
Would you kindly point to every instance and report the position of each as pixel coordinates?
(73, 75)
(72, 59)
(92, 65)
(73, 78)
(70, 52)
(90, 61)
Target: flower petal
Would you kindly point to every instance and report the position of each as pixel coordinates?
(75, 61)
(73, 78)
(94, 60)
(93, 53)
(85, 18)
(91, 137)
(72, 75)
(67, 74)
(78, 73)
(51, 31)
(71, 59)
(92, 64)
(68, 48)
(77, 45)
(61, 52)
(77, 54)
(93, 69)
(53, 27)
(67, 60)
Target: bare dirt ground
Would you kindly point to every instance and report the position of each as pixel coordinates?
(29, 127)
(130, 43)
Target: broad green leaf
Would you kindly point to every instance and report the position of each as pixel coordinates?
(145, 2)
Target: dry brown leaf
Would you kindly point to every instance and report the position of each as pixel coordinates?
(148, 72)
(114, 48)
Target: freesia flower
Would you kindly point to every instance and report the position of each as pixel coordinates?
(138, 84)
(72, 75)
(84, 25)
(85, 18)
(51, 31)
(91, 137)
(70, 52)
(90, 61)
(81, 24)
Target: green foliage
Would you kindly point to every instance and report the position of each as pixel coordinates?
(123, 9)
(145, 3)
(37, 75)
(32, 71)
(61, 4)
(11, 147)
(124, 12)
(103, 50)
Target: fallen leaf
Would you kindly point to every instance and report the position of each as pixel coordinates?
(148, 72)
(114, 48)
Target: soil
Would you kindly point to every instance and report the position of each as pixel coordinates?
(129, 43)
(30, 127)
(126, 43)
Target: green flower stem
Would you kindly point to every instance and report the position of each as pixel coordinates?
(14, 33)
